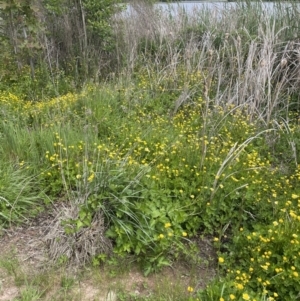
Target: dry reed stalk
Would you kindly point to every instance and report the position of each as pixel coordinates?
(239, 66)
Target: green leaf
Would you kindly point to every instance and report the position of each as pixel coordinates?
(82, 214)
(155, 213)
(79, 224)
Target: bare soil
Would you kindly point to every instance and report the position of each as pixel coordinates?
(25, 246)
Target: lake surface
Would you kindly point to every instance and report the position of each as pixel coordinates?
(217, 6)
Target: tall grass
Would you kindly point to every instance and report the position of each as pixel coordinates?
(247, 53)
(20, 197)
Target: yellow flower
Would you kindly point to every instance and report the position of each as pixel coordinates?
(161, 236)
(167, 225)
(295, 274)
(232, 297)
(295, 196)
(221, 260)
(222, 299)
(190, 289)
(91, 177)
(239, 286)
(184, 234)
(246, 296)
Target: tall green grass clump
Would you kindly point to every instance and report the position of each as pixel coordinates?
(20, 197)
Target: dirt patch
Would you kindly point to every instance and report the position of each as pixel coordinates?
(8, 291)
(26, 242)
(26, 246)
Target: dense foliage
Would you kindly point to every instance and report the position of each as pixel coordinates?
(49, 47)
(196, 135)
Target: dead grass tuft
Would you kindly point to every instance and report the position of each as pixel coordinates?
(79, 247)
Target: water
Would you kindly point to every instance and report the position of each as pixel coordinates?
(187, 6)
(216, 6)
(195, 6)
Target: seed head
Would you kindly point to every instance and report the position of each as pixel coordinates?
(283, 63)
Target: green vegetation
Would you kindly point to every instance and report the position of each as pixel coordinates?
(186, 127)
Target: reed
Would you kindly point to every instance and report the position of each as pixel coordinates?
(246, 57)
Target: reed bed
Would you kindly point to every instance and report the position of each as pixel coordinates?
(247, 54)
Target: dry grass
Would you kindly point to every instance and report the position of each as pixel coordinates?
(247, 58)
(78, 247)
